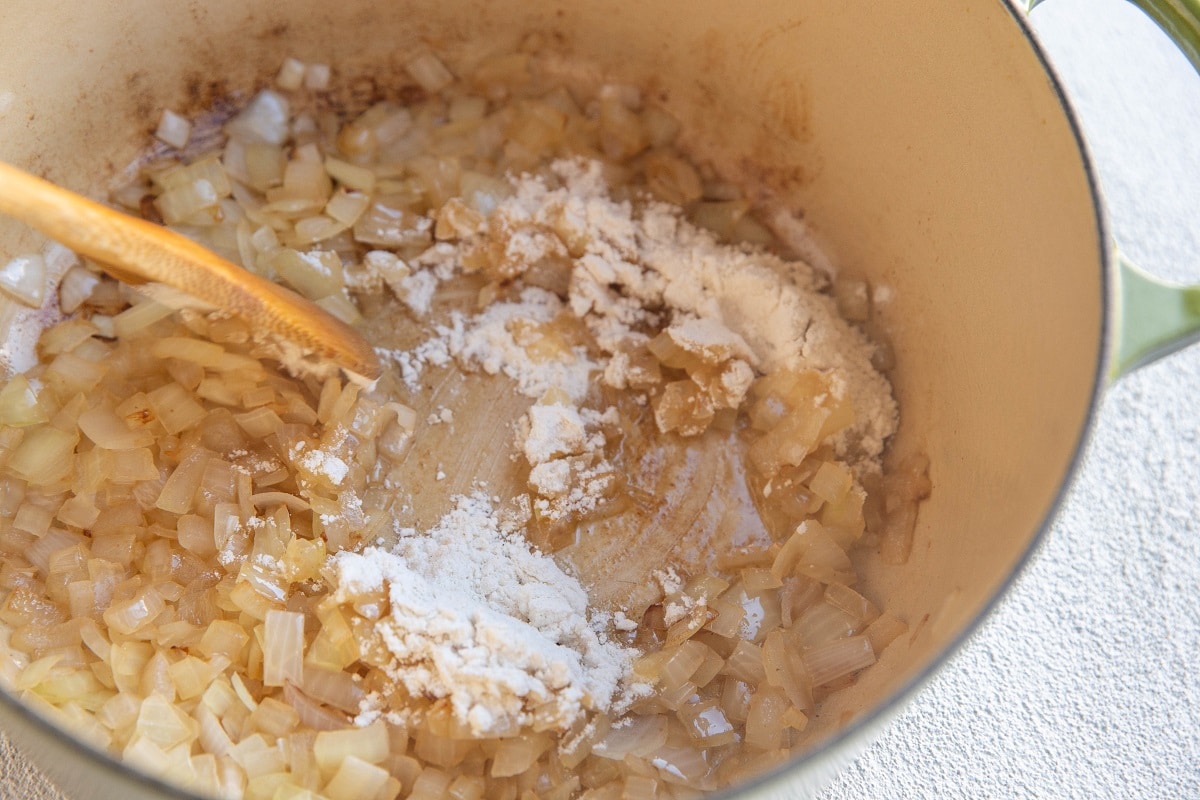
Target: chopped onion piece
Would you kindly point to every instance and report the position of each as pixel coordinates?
(517, 754)
(75, 288)
(19, 406)
(265, 119)
(132, 615)
(291, 75)
(173, 130)
(350, 175)
(107, 430)
(839, 658)
(312, 714)
(283, 648)
(641, 736)
(138, 317)
(812, 552)
(24, 279)
(883, 631)
(162, 722)
(371, 744)
(707, 724)
(337, 689)
(356, 779)
(44, 456)
(316, 77)
(429, 72)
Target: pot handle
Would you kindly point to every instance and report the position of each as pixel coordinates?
(1156, 318)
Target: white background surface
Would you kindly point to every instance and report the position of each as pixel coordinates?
(1083, 684)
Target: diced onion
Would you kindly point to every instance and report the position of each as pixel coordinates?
(23, 278)
(107, 430)
(75, 288)
(162, 722)
(516, 755)
(369, 743)
(44, 456)
(19, 406)
(265, 119)
(429, 72)
(641, 736)
(291, 75)
(173, 130)
(356, 779)
(839, 658)
(283, 648)
(316, 77)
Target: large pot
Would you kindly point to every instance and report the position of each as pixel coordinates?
(928, 146)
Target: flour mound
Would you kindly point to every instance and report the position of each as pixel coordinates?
(474, 615)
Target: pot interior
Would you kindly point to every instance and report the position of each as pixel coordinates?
(926, 148)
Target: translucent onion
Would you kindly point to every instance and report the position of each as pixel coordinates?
(23, 278)
(44, 456)
(75, 288)
(370, 743)
(175, 408)
(839, 658)
(102, 425)
(707, 724)
(640, 736)
(291, 75)
(316, 77)
(173, 130)
(312, 714)
(163, 723)
(19, 405)
(274, 718)
(429, 72)
(132, 615)
(883, 631)
(516, 755)
(812, 552)
(431, 784)
(283, 648)
(223, 637)
(265, 119)
(33, 519)
(335, 688)
(179, 492)
(138, 317)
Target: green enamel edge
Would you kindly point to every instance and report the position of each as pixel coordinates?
(1181, 21)
(1154, 319)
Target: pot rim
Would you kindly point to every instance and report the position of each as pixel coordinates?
(835, 749)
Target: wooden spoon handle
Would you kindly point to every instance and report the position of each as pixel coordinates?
(135, 250)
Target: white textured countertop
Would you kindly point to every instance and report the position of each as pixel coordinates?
(1083, 684)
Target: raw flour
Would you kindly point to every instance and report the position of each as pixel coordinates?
(474, 615)
(477, 617)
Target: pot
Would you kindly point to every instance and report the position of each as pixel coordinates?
(929, 149)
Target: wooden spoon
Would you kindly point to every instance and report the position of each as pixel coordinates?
(140, 252)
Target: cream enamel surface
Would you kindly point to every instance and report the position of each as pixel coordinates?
(925, 146)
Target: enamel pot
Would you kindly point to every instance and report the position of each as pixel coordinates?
(927, 145)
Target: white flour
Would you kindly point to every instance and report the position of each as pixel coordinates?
(564, 446)
(479, 618)
(486, 342)
(475, 615)
(650, 268)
